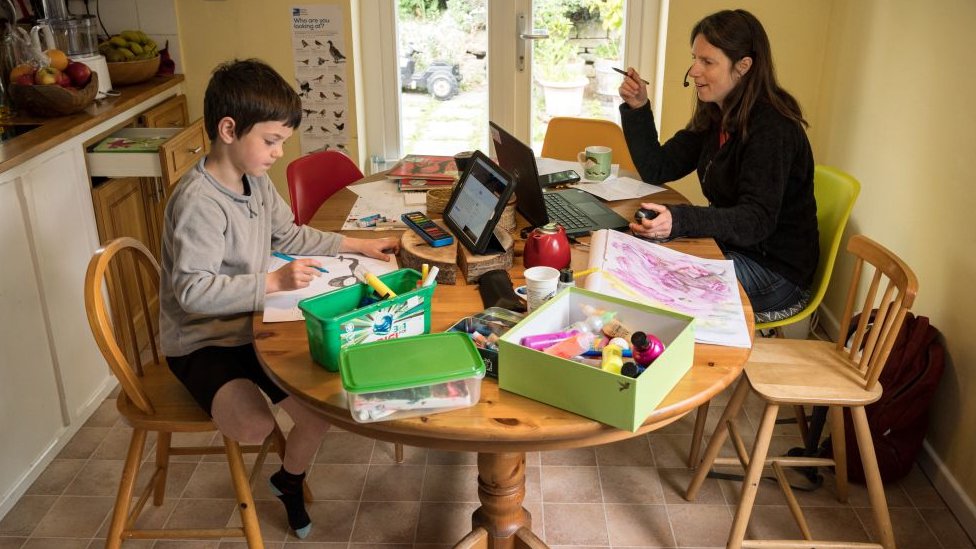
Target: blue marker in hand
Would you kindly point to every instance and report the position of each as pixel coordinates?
(287, 257)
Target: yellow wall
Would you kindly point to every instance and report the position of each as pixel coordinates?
(213, 32)
(795, 30)
(896, 111)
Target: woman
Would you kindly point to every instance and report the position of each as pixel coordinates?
(747, 141)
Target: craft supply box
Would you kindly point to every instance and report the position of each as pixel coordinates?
(416, 376)
(493, 320)
(335, 320)
(616, 400)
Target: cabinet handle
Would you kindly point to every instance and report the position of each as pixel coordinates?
(196, 150)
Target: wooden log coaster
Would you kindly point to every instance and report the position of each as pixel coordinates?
(473, 266)
(414, 252)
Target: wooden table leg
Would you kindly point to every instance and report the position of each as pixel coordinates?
(501, 489)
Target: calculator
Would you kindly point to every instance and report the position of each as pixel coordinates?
(427, 229)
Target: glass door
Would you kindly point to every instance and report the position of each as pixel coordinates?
(447, 67)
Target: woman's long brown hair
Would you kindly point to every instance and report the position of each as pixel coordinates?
(739, 34)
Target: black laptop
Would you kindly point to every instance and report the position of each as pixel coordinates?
(577, 211)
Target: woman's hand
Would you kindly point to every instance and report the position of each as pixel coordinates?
(657, 228)
(294, 275)
(632, 90)
(377, 248)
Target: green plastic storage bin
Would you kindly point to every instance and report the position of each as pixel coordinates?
(409, 377)
(335, 320)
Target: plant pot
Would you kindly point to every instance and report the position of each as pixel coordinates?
(564, 98)
(607, 80)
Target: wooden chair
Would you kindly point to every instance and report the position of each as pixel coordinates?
(313, 178)
(152, 399)
(807, 372)
(836, 192)
(567, 136)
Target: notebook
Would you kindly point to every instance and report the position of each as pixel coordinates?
(577, 211)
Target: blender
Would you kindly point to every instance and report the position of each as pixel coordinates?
(77, 36)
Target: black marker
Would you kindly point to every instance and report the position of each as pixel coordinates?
(623, 72)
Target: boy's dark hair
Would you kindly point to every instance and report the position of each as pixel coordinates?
(250, 92)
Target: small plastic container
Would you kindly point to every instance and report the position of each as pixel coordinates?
(416, 376)
(336, 319)
(493, 320)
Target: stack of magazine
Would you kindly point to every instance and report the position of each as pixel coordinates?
(422, 172)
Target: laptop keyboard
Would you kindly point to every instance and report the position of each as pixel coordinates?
(566, 214)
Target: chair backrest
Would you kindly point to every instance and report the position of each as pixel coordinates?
(126, 263)
(313, 178)
(872, 343)
(836, 192)
(567, 136)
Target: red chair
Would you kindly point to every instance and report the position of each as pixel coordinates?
(313, 178)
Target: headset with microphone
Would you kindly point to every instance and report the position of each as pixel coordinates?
(686, 77)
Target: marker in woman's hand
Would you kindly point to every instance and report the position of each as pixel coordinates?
(623, 72)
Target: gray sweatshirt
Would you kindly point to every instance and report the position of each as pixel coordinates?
(216, 249)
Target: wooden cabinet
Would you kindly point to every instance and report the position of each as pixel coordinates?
(171, 113)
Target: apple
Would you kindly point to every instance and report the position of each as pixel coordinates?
(25, 79)
(79, 73)
(64, 80)
(47, 75)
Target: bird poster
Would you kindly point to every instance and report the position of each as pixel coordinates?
(321, 74)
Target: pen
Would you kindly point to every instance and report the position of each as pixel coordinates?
(431, 276)
(287, 257)
(623, 72)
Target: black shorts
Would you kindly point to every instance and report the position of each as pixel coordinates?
(206, 370)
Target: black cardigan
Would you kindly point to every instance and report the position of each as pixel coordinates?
(759, 190)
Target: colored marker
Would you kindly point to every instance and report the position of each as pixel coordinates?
(376, 284)
(431, 276)
(287, 257)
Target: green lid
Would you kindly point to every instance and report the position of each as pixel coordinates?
(409, 362)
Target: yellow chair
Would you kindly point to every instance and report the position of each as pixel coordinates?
(567, 136)
(152, 399)
(836, 193)
(821, 373)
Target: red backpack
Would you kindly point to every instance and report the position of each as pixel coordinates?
(900, 418)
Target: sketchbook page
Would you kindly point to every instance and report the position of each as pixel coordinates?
(551, 165)
(703, 288)
(283, 306)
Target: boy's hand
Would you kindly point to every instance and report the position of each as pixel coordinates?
(377, 248)
(294, 275)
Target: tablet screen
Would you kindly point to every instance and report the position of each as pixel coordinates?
(477, 203)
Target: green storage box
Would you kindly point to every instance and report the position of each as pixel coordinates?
(614, 399)
(335, 320)
(409, 377)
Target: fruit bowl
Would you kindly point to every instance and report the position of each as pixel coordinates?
(124, 73)
(53, 100)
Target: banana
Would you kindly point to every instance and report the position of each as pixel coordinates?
(131, 36)
(135, 48)
(118, 41)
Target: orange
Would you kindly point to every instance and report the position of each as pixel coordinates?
(58, 58)
(23, 68)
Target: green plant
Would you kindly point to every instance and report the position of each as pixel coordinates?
(611, 14)
(556, 58)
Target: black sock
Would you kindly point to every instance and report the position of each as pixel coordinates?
(291, 492)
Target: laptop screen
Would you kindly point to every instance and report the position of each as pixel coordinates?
(518, 159)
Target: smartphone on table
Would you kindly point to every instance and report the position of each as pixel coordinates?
(564, 177)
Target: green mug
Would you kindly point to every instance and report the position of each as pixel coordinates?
(596, 162)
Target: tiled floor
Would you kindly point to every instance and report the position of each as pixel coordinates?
(625, 494)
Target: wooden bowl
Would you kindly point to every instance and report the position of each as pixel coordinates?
(124, 73)
(53, 100)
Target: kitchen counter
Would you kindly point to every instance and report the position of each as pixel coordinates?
(54, 131)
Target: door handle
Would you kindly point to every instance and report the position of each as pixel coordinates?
(195, 150)
(525, 34)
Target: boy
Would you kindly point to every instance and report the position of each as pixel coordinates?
(221, 224)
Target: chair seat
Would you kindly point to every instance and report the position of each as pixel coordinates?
(176, 411)
(789, 371)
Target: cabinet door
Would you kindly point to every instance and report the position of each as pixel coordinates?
(56, 192)
(171, 113)
(120, 208)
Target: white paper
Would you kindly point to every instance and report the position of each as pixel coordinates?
(283, 306)
(635, 269)
(551, 165)
(618, 188)
(384, 198)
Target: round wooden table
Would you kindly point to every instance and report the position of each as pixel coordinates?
(503, 426)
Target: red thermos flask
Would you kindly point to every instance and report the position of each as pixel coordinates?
(547, 245)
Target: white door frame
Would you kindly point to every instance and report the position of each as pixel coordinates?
(509, 89)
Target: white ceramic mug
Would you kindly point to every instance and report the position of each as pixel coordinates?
(540, 285)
